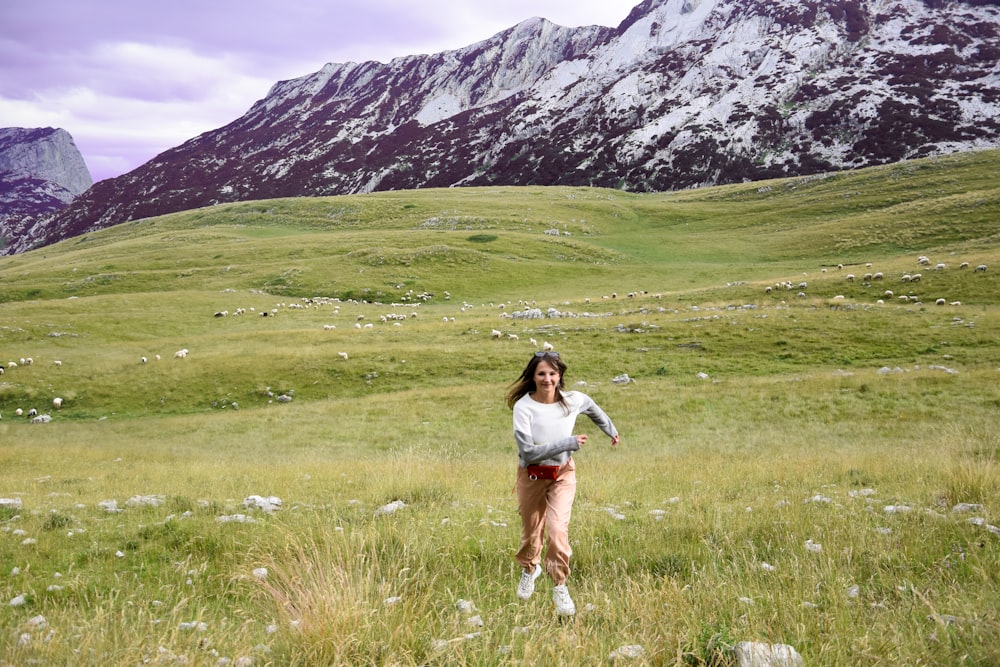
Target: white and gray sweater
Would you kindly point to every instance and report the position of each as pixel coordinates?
(544, 431)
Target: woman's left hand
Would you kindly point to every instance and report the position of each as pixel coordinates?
(614, 441)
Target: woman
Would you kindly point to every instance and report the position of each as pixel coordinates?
(544, 417)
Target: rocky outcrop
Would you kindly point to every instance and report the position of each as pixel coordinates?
(41, 172)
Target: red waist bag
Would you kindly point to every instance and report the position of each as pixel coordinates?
(542, 472)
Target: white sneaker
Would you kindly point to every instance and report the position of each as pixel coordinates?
(527, 584)
(564, 603)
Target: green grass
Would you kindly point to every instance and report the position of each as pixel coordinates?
(758, 420)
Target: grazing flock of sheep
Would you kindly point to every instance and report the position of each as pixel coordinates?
(32, 413)
(525, 310)
(871, 277)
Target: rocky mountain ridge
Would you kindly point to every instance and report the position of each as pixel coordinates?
(41, 172)
(683, 93)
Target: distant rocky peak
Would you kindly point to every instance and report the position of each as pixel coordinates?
(46, 154)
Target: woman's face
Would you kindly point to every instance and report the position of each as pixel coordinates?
(546, 376)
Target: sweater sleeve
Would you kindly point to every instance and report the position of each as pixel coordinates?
(598, 416)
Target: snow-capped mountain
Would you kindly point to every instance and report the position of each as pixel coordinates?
(682, 93)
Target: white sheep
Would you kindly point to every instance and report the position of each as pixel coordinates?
(57, 403)
(496, 334)
(342, 355)
(181, 354)
(143, 360)
(534, 343)
(963, 265)
(877, 275)
(547, 346)
(939, 266)
(849, 277)
(512, 337)
(57, 362)
(981, 268)
(940, 302)
(915, 277)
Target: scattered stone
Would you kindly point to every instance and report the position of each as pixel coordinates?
(110, 506)
(260, 572)
(10, 503)
(390, 508)
(622, 379)
(145, 501)
(814, 547)
(897, 509)
(967, 507)
(266, 504)
(758, 654)
(18, 601)
(200, 626)
(627, 652)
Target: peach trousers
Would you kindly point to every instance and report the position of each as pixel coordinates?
(545, 506)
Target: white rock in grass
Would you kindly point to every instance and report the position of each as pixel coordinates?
(235, 518)
(475, 621)
(814, 547)
(466, 606)
(390, 508)
(967, 507)
(818, 498)
(145, 501)
(24, 640)
(37, 622)
(10, 503)
(627, 652)
(18, 601)
(200, 626)
(395, 599)
(264, 503)
(854, 591)
(110, 506)
(767, 567)
(897, 509)
(260, 572)
(28, 542)
(758, 654)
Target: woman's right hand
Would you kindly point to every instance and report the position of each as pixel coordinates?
(581, 439)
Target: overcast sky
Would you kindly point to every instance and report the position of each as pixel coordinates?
(130, 79)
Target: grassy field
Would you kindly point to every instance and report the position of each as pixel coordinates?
(805, 460)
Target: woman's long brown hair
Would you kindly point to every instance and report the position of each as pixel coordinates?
(525, 384)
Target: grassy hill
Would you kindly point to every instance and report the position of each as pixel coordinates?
(763, 378)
